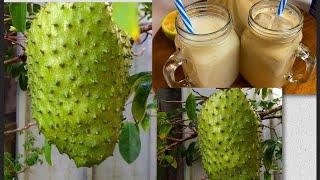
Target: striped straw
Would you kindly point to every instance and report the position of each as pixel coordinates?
(183, 14)
(281, 7)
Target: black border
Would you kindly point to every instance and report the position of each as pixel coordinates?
(1, 91)
(318, 80)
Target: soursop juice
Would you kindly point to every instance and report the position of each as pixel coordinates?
(239, 10)
(270, 45)
(211, 55)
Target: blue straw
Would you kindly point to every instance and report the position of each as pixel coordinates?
(281, 7)
(184, 16)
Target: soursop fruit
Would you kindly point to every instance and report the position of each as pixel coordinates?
(229, 134)
(78, 63)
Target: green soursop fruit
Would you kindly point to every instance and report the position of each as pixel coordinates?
(229, 133)
(78, 63)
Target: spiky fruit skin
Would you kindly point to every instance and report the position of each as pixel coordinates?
(78, 64)
(229, 135)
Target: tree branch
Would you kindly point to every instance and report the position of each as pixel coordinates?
(15, 42)
(16, 59)
(265, 113)
(273, 129)
(272, 117)
(20, 129)
(145, 27)
(178, 142)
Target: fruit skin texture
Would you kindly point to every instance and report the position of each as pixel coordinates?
(229, 135)
(78, 63)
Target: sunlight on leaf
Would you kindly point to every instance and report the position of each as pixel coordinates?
(18, 12)
(171, 161)
(125, 14)
(47, 152)
(145, 123)
(139, 103)
(191, 107)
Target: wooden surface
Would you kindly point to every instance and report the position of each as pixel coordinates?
(163, 48)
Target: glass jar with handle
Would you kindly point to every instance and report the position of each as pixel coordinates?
(271, 44)
(210, 56)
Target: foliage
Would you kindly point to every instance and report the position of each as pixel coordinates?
(14, 166)
(129, 142)
(19, 17)
(173, 146)
(125, 15)
(147, 9)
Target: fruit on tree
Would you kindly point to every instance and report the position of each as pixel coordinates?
(229, 132)
(78, 63)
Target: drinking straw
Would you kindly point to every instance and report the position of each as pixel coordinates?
(183, 14)
(281, 7)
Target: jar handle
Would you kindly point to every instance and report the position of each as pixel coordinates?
(304, 54)
(169, 69)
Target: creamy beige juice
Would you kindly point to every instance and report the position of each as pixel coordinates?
(239, 10)
(267, 62)
(210, 64)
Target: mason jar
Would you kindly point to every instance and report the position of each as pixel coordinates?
(210, 56)
(271, 44)
(239, 10)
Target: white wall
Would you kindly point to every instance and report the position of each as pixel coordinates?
(300, 145)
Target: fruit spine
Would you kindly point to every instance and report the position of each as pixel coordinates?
(229, 133)
(78, 63)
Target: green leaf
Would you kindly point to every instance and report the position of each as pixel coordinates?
(163, 126)
(268, 156)
(191, 107)
(267, 175)
(145, 123)
(139, 103)
(271, 104)
(129, 142)
(189, 153)
(23, 81)
(47, 152)
(275, 168)
(14, 70)
(135, 80)
(264, 93)
(164, 130)
(189, 159)
(147, 8)
(267, 143)
(278, 154)
(161, 117)
(171, 161)
(175, 112)
(125, 14)
(257, 90)
(18, 12)
(154, 104)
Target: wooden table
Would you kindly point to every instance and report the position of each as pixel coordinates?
(163, 48)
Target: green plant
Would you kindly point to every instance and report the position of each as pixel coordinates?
(33, 156)
(19, 17)
(178, 131)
